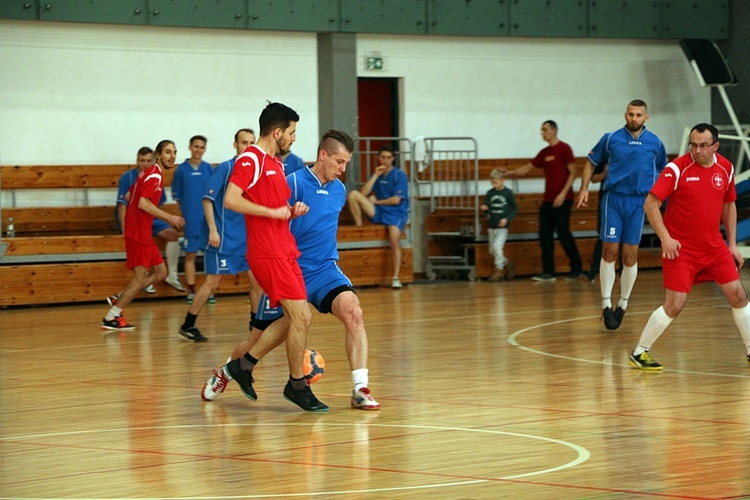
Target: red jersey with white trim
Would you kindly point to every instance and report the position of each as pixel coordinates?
(261, 178)
(149, 184)
(696, 198)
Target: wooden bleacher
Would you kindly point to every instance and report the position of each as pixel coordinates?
(522, 247)
(74, 253)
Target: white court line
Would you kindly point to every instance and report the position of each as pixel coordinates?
(582, 453)
(512, 340)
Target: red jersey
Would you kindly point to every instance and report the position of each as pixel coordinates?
(261, 178)
(696, 198)
(555, 160)
(149, 184)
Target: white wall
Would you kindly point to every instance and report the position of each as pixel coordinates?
(501, 90)
(93, 94)
(88, 94)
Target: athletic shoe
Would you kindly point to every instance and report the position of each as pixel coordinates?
(396, 283)
(243, 378)
(573, 275)
(644, 361)
(117, 323)
(150, 289)
(610, 320)
(544, 277)
(303, 398)
(619, 314)
(192, 334)
(215, 385)
(497, 275)
(748, 358)
(363, 400)
(112, 300)
(211, 299)
(510, 271)
(591, 276)
(175, 283)
(190, 297)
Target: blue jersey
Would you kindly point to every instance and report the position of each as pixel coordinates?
(230, 224)
(293, 163)
(634, 164)
(315, 231)
(188, 187)
(394, 183)
(127, 179)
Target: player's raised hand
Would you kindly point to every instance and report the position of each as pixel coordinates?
(299, 208)
(282, 212)
(176, 221)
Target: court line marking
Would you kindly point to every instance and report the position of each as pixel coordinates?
(583, 454)
(512, 339)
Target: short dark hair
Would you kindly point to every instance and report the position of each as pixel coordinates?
(237, 134)
(276, 115)
(639, 103)
(145, 150)
(388, 148)
(702, 127)
(333, 139)
(552, 124)
(162, 144)
(198, 138)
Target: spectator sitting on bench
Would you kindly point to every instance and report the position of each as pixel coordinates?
(384, 198)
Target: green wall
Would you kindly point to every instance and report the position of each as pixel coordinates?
(528, 18)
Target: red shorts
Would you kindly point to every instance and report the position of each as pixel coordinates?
(685, 271)
(281, 279)
(140, 254)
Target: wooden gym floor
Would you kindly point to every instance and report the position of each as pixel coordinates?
(505, 390)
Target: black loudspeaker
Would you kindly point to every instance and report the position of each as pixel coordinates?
(708, 62)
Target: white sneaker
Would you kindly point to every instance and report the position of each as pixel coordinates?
(150, 289)
(215, 385)
(396, 283)
(175, 283)
(363, 400)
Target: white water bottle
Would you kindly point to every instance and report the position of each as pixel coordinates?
(11, 228)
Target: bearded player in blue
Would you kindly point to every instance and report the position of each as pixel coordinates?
(635, 156)
(328, 288)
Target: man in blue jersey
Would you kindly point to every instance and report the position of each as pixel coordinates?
(328, 288)
(225, 243)
(635, 157)
(188, 187)
(161, 229)
(384, 198)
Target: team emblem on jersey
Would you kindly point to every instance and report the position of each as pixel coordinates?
(718, 181)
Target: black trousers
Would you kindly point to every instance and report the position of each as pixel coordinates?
(553, 219)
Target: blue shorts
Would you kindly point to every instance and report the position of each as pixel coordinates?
(159, 226)
(323, 285)
(320, 282)
(390, 218)
(267, 313)
(622, 218)
(217, 263)
(192, 243)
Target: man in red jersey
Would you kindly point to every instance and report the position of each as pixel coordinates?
(258, 189)
(143, 256)
(700, 188)
(559, 167)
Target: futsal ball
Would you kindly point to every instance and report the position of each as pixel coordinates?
(314, 366)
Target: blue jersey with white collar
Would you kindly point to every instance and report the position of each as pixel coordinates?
(230, 224)
(315, 231)
(188, 187)
(634, 163)
(394, 183)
